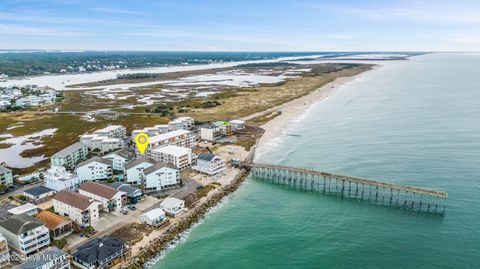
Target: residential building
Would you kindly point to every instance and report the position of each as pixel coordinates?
(237, 124)
(69, 157)
(99, 253)
(173, 206)
(181, 138)
(58, 179)
(27, 209)
(185, 123)
(133, 170)
(101, 143)
(25, 234)
(4, 252)
(52, 258)
(211, 133)
(94, 169)
(161, 176)
(6, 176)
(226, 127)
(180, 157)
(119, 158)
(78, 208)
(111, 198)
(112, 131)
(38, 194)
(210, 164)
(134, 195)
(58, 226)
(152, 131)
(153, 217)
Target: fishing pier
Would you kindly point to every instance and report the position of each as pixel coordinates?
(382, 193)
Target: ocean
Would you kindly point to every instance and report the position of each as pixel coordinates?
(414, 122)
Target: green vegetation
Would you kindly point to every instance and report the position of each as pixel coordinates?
(205, 190)
(3, 187)
(139, 76)
(60, 243)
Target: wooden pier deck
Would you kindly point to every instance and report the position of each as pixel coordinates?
(413, 198)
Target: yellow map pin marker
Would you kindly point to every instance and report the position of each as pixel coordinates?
(142, 142)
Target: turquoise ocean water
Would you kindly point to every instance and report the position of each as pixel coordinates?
(411, 122)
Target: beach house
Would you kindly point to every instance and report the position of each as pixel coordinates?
(210, 164)
(25, 234)
(161, 176)
(38, 194)
(78, 208)
(111, 198)
(153, 217)
(58, 179)
(58, 226)
(173, 206)
(99, 253)
(134, 169)
(211, 133)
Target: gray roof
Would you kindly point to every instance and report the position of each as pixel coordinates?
(99, 249)
(137, 162)
(129, 189)
(37, 191)
(69, 150)
(206, 156)
(95, 159)
(155, 167)
(19, 224)
(4, 170)
(41, 259)
(122, 153)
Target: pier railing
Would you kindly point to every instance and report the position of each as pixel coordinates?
(412, 198)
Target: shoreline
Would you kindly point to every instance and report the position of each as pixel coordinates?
(273, 129)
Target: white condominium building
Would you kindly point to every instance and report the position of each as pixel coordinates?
(112, 131)
(25, 234)
(94, 169)
(58, 179)
(161, 176)
(180, 157)
(181, 138)
(101, 143)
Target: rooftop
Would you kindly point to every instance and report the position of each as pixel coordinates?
(173, 150)
(4, 170)
(19, 224)
(156, 167)
(99, 189)
(99, 249)
(154, 214)
(122, 153)
(74, 199)
(171, 202)
(169, 135)
(95, 159)
(37, 191)
(206, 156)
(69, 150)
(52, 220)
(110, 128)
(129, 189)
(22, 209)
(137, 162)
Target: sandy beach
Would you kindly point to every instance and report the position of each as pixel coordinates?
(295, 108)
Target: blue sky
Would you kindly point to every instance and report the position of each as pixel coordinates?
(208, 25)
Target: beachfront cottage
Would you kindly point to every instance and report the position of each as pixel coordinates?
(58, 179)
(211, 133)
(6, 176)
(173, 206)
(133, 170)
(94, 169)
(111, 198)
(4, 252)
(161, 176)
(69, 157)
(119, 159)
(27, 209)
(210, 164)
(134, 195)
(153, 217)
(79, 208)
(99, 253)
(52, 258)
(21, 230)
(58, 226)
(39, 194)
(180, 157)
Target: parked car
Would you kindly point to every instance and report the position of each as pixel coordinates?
(124, 211)
(132, 207)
